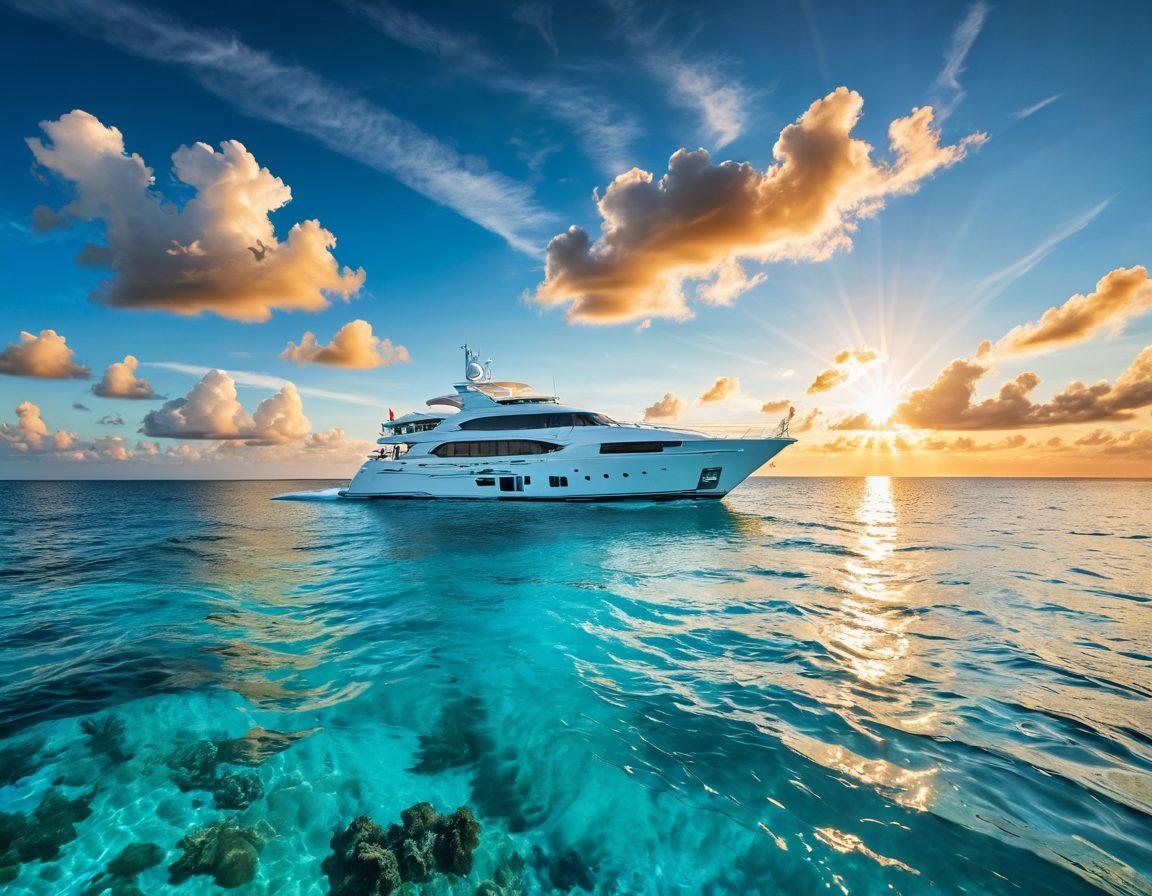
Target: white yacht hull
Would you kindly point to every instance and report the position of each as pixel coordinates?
(698, 469)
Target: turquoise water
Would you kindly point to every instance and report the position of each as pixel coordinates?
(816, 686)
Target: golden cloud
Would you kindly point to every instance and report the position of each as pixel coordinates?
(120, 381)
(724, 388)
(775, 406)
(30, 435)
(46, 356)
(217, 253)
(667, 408)
(353, 346)
(948, 403)
(695, 222)
(212, 411)
(1119, 295)
(847, 366)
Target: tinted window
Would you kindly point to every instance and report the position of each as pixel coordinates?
(535, 421)
(637, 447)
(494, 448)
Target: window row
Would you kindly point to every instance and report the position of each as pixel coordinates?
(637, 447)
(494, 448)
(537, 421)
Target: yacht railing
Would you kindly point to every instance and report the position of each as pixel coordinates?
(727, 430)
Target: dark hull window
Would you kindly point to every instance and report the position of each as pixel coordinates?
(494, 448)
(637, 447)
(558, 420)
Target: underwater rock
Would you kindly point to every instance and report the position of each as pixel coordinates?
(368, 860)
(19, 761)
(106, 737)
(459, 739)
(223, 851)
(134, 858)
(238, 791)
(565, 872)
(258, 744)
(507, 880)
(194, 766)
(41, 834)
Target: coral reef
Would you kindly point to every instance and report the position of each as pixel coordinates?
(119, 878)
(223, 851)
(237, 791)
(194, 766)
(257, 744)
(39, 835)
(106, 737)
(566, 871)
(368, 860)
(507, 879)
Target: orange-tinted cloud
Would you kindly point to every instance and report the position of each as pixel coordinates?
(697, 219)
(120, 381)
(724, 388)
(354, 346)
(1134, 444)
(46, 356)
(217, 253)
(948, 403)
(849, 365)
(212, 411)
(775, 406)
(858, 421)
(667, 408)
(1119, 295)
(30, 435)
(807, 422)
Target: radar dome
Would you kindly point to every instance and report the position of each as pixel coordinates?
(474, 372)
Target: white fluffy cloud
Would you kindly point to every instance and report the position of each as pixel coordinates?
(217, 253)
(213, 411)
(46, 356)
(120, 381)
(696, 220)
(354, 346)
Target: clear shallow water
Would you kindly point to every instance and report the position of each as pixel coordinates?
(842, 686)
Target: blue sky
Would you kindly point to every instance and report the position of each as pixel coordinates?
(457, 139)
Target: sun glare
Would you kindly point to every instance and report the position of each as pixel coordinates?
(880, 402)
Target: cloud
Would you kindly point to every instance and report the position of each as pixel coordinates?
(605, 131)
(218, 253)
(1036, 107)
(949, 91)
(537, 16)
(46, 220)
(77, 406)
(259, 85)
(862, 420)
(807, 422)
(905, 443)
(847, 366)
(46, 356)
(724, 388)
(1133, 444)
(111, 420)
(730, 283)
(949, 402)
(267, 381)
(120, 381)
(1119, 295)
(775, 406)
(212, 411)
(720, 101)
(30, 434)
(667, 408)
(698, 217)
(353, 346)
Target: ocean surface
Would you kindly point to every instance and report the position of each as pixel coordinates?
(843, 686)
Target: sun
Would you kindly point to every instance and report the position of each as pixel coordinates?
(880, 402)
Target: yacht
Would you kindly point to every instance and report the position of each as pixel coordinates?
(504, 441)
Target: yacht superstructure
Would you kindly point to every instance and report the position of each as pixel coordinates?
(505, 441)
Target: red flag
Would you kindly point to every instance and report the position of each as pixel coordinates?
(391, 415)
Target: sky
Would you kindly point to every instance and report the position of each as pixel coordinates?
(231, 241)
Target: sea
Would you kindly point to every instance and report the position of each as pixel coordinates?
(815, 686)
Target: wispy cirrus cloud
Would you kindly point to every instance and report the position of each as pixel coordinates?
(722, 103)
(605, 132)
(948, 92)
(262, 86)
(1029, 111)
(264, 381)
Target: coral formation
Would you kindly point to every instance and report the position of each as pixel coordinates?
(119, 878)
(194, 766)
(564, 872)
(106, 736)
(19, 761)
(507, 879)
(237, 791)
(368, 860)
(224, 851)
